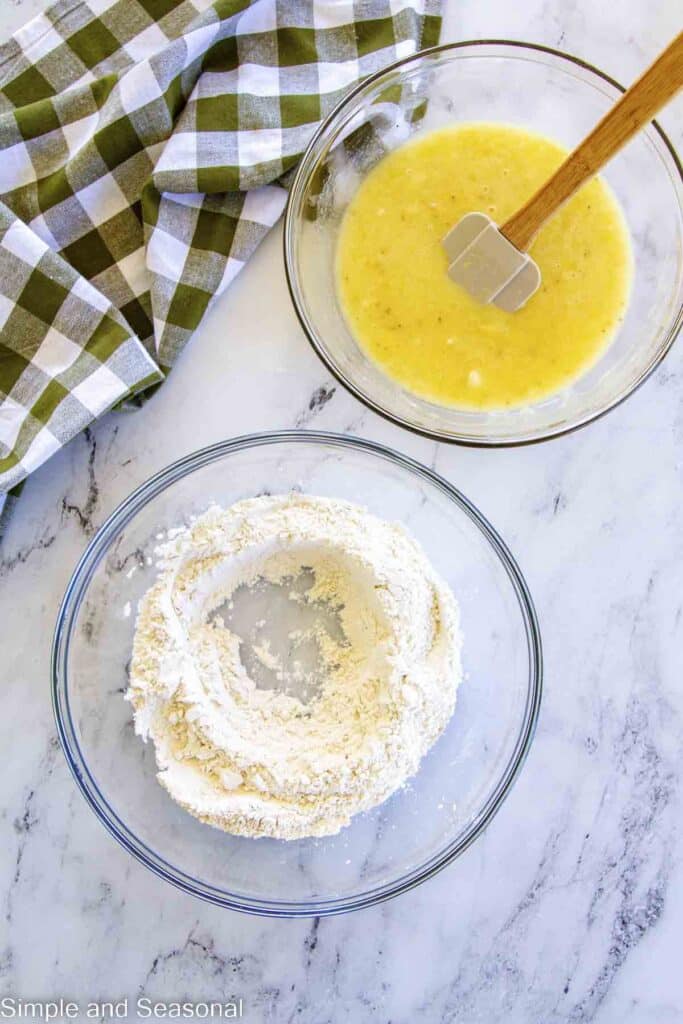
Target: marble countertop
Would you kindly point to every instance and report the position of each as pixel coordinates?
(570, 908)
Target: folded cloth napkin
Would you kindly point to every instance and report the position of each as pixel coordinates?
(144, 143)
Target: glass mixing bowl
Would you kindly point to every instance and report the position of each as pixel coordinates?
(462, 781)
(517, 83)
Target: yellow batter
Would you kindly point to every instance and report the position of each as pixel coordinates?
(424, 330)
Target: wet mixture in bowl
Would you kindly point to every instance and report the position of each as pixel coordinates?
(425, 331)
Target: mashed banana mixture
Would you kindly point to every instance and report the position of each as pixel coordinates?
(260, 762)
(424, 330)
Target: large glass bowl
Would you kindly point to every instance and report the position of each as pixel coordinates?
(516, 83)
(462, 781)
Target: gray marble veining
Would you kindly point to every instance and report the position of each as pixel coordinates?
(571, 906)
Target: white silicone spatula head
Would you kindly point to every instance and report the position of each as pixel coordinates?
(491, 268)
(491, 262)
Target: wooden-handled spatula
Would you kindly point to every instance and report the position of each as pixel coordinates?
(491, 262)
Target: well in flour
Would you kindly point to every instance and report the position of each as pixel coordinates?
(289, 734)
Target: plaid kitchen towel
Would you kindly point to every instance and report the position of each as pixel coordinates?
(143, 143)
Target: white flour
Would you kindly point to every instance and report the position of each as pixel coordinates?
(259, 762)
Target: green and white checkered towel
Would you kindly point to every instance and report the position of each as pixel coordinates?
(143, 146)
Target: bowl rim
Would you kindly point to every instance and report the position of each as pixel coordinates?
(300, 178)
(68, 734)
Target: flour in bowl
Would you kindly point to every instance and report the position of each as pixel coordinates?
(259, 761)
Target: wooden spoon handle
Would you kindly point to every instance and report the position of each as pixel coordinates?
(636, 107)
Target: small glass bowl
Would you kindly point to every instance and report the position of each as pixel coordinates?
(462, 781)
(516, 83)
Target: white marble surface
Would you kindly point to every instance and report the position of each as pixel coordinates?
(571, 906)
